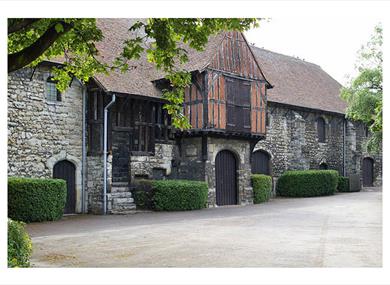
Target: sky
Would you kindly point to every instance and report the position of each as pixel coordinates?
(332, 43)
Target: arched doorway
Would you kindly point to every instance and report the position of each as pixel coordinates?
(368, 172)
(261, 161)
(226, 178)
(66, 170)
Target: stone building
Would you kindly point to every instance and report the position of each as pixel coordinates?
(251, 111)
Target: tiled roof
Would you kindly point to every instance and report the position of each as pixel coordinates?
(300, 83)
(296, 82)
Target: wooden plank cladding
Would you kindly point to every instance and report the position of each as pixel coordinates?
(258, 108)
(235, 104)
(193, 103)
(216, 101)
(230, 94)
(234, 56)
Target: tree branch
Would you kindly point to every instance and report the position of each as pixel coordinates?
(20, 25)
(29, 54)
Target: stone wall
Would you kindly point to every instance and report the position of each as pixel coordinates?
(292, 142)
(190, 164)
(356, 151)
(94, 189)
(157, 166)
(42, 132)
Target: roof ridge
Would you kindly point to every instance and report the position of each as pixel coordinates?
(285, 55)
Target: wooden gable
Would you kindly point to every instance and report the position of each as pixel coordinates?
(235, 56)
(231, 94)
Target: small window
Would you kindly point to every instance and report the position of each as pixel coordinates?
(52, 93)
(323, 166)
(321, 130)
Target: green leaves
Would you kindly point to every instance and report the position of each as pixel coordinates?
(167, 42)
(59, 27)
(162, 40)
(364, 93)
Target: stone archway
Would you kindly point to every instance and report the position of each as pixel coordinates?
(63, 155)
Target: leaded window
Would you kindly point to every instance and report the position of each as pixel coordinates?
(321, 130)
(52, 93)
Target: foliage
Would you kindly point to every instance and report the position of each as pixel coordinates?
(307, 183)
(19, 245)
(262, 188)
(34, 200)
(32, 40)
(365, 92)
(143, 194)
(179, 195)
(343, 184)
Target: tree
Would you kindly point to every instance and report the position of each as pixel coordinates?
(32, 40)
(364, 93)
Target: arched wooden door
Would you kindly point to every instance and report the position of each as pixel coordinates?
(261, 163)
(66, 170)
(226, 178)
(368, 172)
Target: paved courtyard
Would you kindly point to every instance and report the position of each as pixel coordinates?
(344, 230)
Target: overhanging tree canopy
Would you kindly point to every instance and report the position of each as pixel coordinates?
(31, 41)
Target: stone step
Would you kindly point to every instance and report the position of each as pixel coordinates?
(121, 195)
(121, 201)
(117, 189)
(123, 207)
(120, 184)
(123, 212)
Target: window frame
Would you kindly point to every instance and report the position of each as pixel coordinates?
(321, 133)
(48, 96)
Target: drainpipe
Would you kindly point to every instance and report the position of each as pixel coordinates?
(344, 142)
(105, 152)
(84, 151)
(83, 143)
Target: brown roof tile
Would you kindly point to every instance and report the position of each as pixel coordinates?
(296, 82)
(300, 83)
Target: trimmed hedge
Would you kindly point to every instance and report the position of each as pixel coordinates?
(143, 194)
(19, 245)
(35, 200)
(262, 187)
(307, 183)
(178, 195)
(343, 184)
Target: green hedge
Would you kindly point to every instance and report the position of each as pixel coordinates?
(143, 194)
(176, 195)
(307, 183)
(262, 187)
(19, 245)
(343, 184)
(33, 200)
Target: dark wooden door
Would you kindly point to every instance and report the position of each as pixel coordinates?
(225, 177)
(368, 172)
(66, 170)
(261, 163)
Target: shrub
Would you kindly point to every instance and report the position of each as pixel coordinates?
(307, 183)
(143, 194)
(176, 195)
(343, 184)
(32, 200)
(19, 245)
(262, 188)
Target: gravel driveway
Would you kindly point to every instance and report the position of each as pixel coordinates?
(344, 230)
